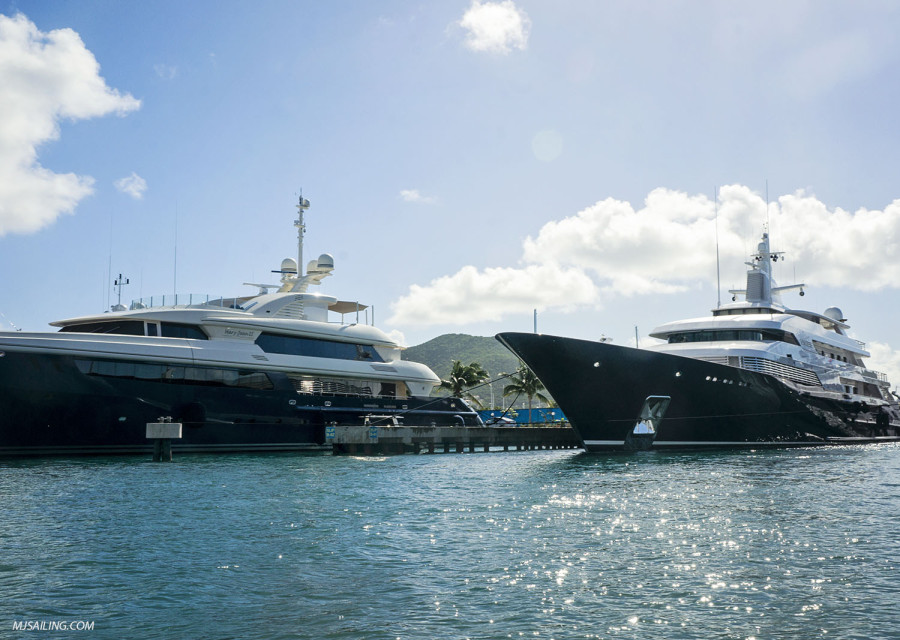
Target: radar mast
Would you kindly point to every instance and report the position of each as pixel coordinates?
(302, 206)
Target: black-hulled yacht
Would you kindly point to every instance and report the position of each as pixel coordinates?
(264, 372)
(755, 373)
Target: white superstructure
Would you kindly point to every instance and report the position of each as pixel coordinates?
(808, 350)
(285, 331)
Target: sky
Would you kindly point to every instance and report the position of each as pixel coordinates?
(470, 165)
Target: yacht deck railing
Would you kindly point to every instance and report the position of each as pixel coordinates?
(182, 300)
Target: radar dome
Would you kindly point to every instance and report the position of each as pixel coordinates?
(835, 314)
(289, 265)
(326, 261)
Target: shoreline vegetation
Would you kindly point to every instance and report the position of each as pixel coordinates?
(483, 372)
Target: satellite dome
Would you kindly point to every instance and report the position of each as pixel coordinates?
(835, 314)
(289, 265)
(326, 261)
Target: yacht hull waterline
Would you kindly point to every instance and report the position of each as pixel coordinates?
(601, 388)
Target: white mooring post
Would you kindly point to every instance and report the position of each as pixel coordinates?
(162, 432)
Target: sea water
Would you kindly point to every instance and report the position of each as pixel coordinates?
(794, 543)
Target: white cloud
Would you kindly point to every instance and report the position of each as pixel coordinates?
(886, 360)
(612, 249)
(496, 27)
(413, 195)
(45, 77)
(397, 336)
(470, 295)
(133, 185)
(661, 248)
(165, 71)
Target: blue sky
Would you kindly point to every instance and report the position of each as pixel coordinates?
(467, 162)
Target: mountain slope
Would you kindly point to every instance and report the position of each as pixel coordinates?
(439, 353)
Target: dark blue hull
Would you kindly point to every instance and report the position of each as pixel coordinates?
(48, 405)
(602, 388)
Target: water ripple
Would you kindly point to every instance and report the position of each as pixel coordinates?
(733, 545)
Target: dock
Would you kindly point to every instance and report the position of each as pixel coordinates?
(393, 439)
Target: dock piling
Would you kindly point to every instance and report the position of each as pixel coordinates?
(162, 432)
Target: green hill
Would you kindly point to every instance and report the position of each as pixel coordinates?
(439, 353)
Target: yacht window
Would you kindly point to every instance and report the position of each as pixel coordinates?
(296, 346)
(388, 389)
(173, 330)
(120, 327)
(172, 373)
(726, 335)
(337, 386)
(152, 329)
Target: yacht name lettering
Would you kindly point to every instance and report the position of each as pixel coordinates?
(239, 333)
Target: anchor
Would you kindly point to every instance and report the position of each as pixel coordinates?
(641, 437)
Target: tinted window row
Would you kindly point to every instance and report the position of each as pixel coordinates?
(136, 328)
(173, 373)
(294, 346)
(122, 327)
(755, 335)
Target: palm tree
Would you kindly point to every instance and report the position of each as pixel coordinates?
(524, 381)
(462, 377)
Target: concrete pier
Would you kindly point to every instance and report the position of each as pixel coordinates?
(390, 439)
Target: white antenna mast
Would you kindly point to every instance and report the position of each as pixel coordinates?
(121, 282)
(302, 206)
(175, 257)
(718, 273)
